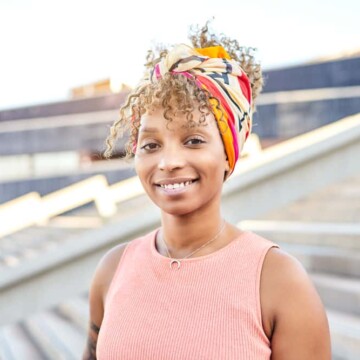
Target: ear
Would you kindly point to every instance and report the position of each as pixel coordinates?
(227, 165)
(227, 169)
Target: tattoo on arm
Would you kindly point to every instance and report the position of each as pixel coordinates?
(91, 342)
(94, 328)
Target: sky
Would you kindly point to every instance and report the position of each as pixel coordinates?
(48, 47)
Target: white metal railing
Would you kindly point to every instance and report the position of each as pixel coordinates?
(308, 95)
(282, 226)
(19, 213)
(32, 209)
(277, 176)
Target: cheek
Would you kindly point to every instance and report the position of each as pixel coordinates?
(143, 169)
(140, 166)
(212, 163)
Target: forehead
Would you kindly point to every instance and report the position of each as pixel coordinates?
(157, 119)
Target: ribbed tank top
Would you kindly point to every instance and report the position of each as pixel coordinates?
(208, 309)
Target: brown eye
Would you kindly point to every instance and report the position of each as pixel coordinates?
(195, 141)
(150, 147)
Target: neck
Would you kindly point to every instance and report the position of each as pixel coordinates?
(184, 234)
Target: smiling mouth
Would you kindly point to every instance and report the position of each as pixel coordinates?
(180, 185)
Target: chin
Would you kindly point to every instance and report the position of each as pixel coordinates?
(176, 210)
(183, 207)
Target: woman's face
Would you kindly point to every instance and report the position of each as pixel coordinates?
(182, 169)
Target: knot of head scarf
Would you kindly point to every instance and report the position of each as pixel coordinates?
(214, 70)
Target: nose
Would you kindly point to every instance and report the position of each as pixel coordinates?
(172, 158)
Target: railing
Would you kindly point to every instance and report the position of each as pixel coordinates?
(275, 177)
(32, 209)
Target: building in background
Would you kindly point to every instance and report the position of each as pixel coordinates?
(48, 146)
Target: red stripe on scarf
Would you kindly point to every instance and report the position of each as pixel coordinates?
(245, 86)
(215, 92)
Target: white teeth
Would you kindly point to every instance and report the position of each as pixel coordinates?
(176, 185)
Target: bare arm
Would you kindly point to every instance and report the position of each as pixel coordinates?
(90, 351)
(300, 325)
(98, 291)
(96, 303)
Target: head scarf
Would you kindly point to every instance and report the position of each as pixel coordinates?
(214, 70)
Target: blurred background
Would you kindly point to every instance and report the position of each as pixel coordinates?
(66, 68)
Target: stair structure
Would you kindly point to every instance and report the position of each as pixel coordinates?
(332, 260)
(322, 231)
(303, 194)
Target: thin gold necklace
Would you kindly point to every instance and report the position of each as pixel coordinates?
(177, 261)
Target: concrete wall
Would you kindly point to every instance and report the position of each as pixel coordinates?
(47, 184)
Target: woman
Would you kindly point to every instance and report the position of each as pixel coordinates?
(198, 287)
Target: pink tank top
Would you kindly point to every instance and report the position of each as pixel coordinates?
(209, 309)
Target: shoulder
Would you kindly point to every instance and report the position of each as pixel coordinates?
(293, 309)
(284, 272)
(101, 280)
(106, 268)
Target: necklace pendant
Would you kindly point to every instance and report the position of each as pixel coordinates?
(175, 261)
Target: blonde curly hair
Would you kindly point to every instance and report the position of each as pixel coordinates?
(177, 93)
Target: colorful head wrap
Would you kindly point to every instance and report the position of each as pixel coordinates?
(214, 70)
